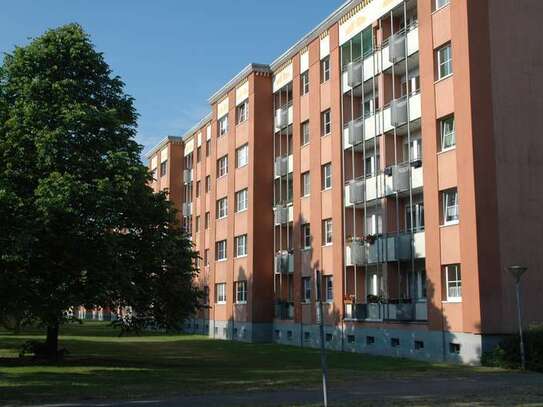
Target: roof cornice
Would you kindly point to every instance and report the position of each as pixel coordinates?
(254, 67)
(161, 144)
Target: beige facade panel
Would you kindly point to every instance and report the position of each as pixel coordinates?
(164, 154)
(222, 108)
(325, 46)
(282, 77)
(189, 146)
(304, 60)
(154, 162)
(363, 16)
(242, 92)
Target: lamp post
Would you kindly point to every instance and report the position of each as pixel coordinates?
(517, 272)
(320, 316)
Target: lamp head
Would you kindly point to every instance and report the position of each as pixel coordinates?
(517, 271)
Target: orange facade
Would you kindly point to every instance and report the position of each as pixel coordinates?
(372, 152)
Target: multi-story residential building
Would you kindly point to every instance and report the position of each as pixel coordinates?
(389, 149)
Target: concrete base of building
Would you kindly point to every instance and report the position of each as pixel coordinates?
(433, 346)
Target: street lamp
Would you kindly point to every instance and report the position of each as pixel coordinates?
(517, 272)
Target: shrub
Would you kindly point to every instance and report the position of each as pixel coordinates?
(507, 353)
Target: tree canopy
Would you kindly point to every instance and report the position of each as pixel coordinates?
(80, 225)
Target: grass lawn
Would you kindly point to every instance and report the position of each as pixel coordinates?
(102, 365)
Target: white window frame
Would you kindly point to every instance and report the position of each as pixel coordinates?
(418, 217)
(327, 232)
(306, 133)
(306, 184)
(241, 292)
(325, 69)
(223, 125)
(327, 176)
(447, 133)
(220, 293)
(453, 285)
(222, 166)
(242, 111)
(441, 62)
(306, 236)
(164, 168)
(439, 4)
(240, 245)
(306, 289)
(220, 250)
(222, 208)
(304, 78)
(326, 122)
(328, 288)
(242, 156)
(450, 205)
(242, 200)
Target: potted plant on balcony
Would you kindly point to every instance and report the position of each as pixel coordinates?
(370, 238)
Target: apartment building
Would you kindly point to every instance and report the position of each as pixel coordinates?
(389, 152)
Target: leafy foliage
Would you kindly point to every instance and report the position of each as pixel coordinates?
(507, 353)
(80, 224)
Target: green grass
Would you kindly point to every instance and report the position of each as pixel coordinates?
(102, 365)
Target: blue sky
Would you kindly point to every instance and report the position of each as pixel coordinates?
(172, 54)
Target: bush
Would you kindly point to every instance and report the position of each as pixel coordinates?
(507, 353)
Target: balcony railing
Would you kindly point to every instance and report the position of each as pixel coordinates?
(406, 310)
(283, 214)
(284, 262)
(187, 209)
(283, 116)
(284, 310)
(187, 176)
(283, 165)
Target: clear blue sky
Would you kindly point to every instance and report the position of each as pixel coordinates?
(172, 54)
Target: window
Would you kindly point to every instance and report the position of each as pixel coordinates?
(163, 168)
(241, 200)
(325, 69)
(153, 173)
(208, 147)
(222, 166)
(326, 176)
(394, 342)
(419, 345)
(305, 132)
(306, 287)
(197, 223)
(206, 257)
(447, 133)
(240, 244)
(444, 61)
(198, 154)
(440, 3)
(453, 282)
(197, 189)
(329, 288)
(326, 123)
(206, 295)
(372, 165)
(306, 184)
(450, 206)
(223, 125)
(304, 83)
(307, 336)
(242, 112)
(329, 337)
(306, 236)
(351, 338)
(327, 231)
(454, 348)
(241, 292)
(242, 156)
(370, 340)
(289, 335)
(208, 183)
(220, 250)
(222, 208)
(415, 213)
(206, 220)
(220, 293)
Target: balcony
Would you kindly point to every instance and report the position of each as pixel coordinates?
(283, 116)
(284, 262)
(400, 176)
(360, 70)
(368, 188)
(283, 165)
(354, 73)
(356, 253)
(396, 247)
(405, 310)
(284, 310)
(394, 48)
(283, 215)
(187, 209)
(187, 176)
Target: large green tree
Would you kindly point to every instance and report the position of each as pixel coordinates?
(79, 224)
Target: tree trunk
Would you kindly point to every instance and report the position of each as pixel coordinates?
(51, 342)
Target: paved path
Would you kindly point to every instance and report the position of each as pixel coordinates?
(480, 385)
